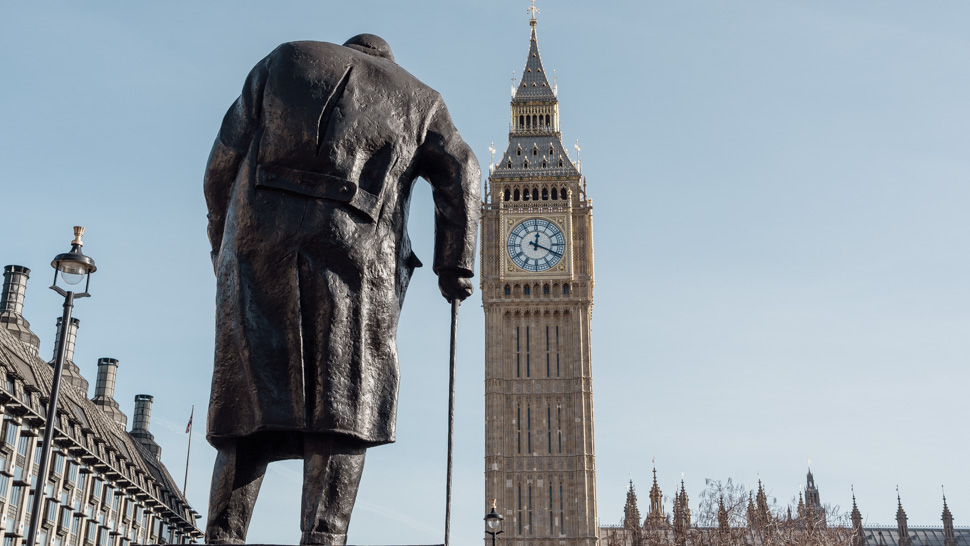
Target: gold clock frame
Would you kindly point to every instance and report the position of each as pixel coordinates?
(562, 270)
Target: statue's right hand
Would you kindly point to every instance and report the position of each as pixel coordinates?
(454, 287)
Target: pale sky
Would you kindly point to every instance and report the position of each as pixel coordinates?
(781, 222)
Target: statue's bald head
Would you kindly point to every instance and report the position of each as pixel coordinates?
(371, 45)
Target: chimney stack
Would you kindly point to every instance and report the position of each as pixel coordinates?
(104, 390)
(72, 374)
(139, 425)
(12, 306)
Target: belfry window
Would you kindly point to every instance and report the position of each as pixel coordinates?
(525, 194)
(525, 163)
(535, 150)
(545, 191)
(515, 196)
(518, 151)
(508, 195)
(555, 194)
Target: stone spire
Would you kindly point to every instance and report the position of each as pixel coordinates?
(534, 85)
(901, 523)
(813, 505)
(949, 535)
(723, 525)
(752, 511)
(681, 509)
(535, 149)
(762, 510)
(800, 511)
(656, 517)
(12, 306)
(858, 534)
(631, 514)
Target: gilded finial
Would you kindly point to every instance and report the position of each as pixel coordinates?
(533, 11)
(809, 463)
(493, 505)
(78, 232)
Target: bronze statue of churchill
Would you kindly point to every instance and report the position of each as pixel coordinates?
(308, 188)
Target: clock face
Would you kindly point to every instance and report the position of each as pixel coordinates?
(536, 244)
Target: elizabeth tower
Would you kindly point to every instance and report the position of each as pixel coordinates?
(537, 291)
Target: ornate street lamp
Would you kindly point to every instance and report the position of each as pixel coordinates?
(73, 267)
(493, 523)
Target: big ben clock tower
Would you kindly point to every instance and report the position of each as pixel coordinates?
(537, 291)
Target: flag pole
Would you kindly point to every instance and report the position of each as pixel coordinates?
(188, 452)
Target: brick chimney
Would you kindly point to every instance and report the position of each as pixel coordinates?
(139, 425)
(104, 390)
(12, 306)
(72, 374)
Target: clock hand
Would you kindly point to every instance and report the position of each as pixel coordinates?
(537, 246)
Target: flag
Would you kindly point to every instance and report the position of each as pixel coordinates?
(188, 427)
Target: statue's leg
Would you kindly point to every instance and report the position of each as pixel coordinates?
(332, 466)
(238, 473)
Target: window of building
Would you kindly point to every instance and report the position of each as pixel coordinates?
(528, 428)
(508, 290)
(507, 195)
(549, 428)
(515, 196)
(526, 290)
(23, 445)
(10, 432)
(545, 289)
(565, 289)
(530, 510)
(555, 194)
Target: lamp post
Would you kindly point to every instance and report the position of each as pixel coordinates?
(73, 267)
(493, 523)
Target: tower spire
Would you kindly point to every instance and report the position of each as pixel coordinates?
(656, 517)
(858, 534)
(901, 522)
(949, 535)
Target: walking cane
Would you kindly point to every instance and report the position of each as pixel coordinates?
(451, 414)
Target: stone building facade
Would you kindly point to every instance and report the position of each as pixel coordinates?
(807, 523)
(537, 292)
(107, 486)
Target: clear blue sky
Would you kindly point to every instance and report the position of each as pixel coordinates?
(781, 212)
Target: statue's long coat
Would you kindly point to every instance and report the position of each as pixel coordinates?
(308, 187)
